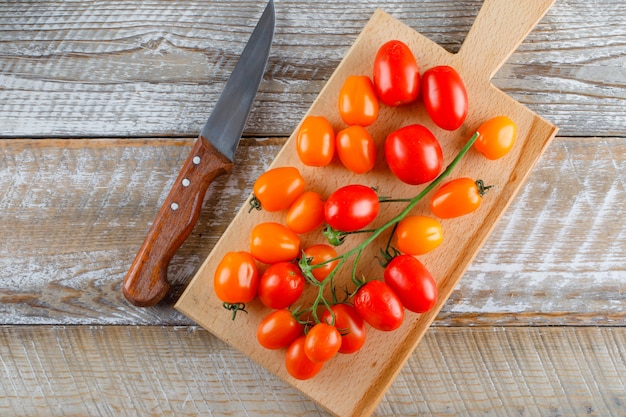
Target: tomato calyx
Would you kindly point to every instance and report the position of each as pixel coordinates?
(482, 188)
(255, 204)
(234, 308)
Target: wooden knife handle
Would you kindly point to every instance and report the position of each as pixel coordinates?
(146, 282)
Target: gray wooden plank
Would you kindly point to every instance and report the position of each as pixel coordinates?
(181, 371)
(74, 213)
(132, 68)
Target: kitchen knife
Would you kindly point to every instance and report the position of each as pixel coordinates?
(212, 155)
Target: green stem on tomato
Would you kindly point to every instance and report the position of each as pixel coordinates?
(412, 202)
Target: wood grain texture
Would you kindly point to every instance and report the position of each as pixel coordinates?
(368, 374)
(79, 210)
(133, 68)
(185, 371)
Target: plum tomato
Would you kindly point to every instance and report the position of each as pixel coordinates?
(412, 282)
(278, 329)
(396, 74)
(322, 342)
(318, 254)
(271, 242)
(281, 285)
(496, 137)
(306, 213)
(315, 142)
(356, 149)
(457, 198)
(236, 278)
(277, 188)
(298, 364)
(358, 103)
(445, 97)
(379, 306)
(351, 207)
(350, 325)
(413, 154)
(417, 235)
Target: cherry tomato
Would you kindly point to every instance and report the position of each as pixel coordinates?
(306, 213)
(497, 137)
(356, 149)
(321, 253)
(458, 197)
(445, 97)
(351, 207)
(417, 235)
(350, 325)
(272, 242)
(281, 285)
(277, 188)
(396, 74)
(298, 364)
(413, 154)
(315, 143)
(236, 278)
(358, 103)
(412, 282)
(278, 330)
(379, 306)
(322, 342)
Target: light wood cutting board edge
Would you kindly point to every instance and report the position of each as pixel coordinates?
(364, 382)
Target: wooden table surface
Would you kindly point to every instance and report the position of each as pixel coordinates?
(100, 103)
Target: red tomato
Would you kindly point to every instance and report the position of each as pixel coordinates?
(396, 74)
(417, 235)
(315, 143)
(298, 364)
(413, 154)
(318, 254)
(497, 137)
(277, 188)
(445, 97)
(278, 330)
(456, 198)
(322, 342)
(281, 285)
(306, 213)
(356, 149)
(236, 278)
(351, 207)
(379, 306)
(412, 282)
(350, 325)
(272, 242)
(358, 103)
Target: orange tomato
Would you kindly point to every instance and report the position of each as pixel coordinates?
(277, 188)
(356, 149)
(315, 143)
(417, 235)
(278, 329)
(236, 278)
(297, 362)
(497, 137)
(318, 254)
(272, 242)
(358, 102)
(458, 197)
(306, 213)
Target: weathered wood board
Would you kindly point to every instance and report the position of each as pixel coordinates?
(367, 374)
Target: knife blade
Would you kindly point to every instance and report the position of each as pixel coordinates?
(212, 155)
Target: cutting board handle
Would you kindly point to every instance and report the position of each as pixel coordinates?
(499, 28)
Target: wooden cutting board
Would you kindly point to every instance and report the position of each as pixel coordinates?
(352, 385)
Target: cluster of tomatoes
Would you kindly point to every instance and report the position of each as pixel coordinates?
(330, 325)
